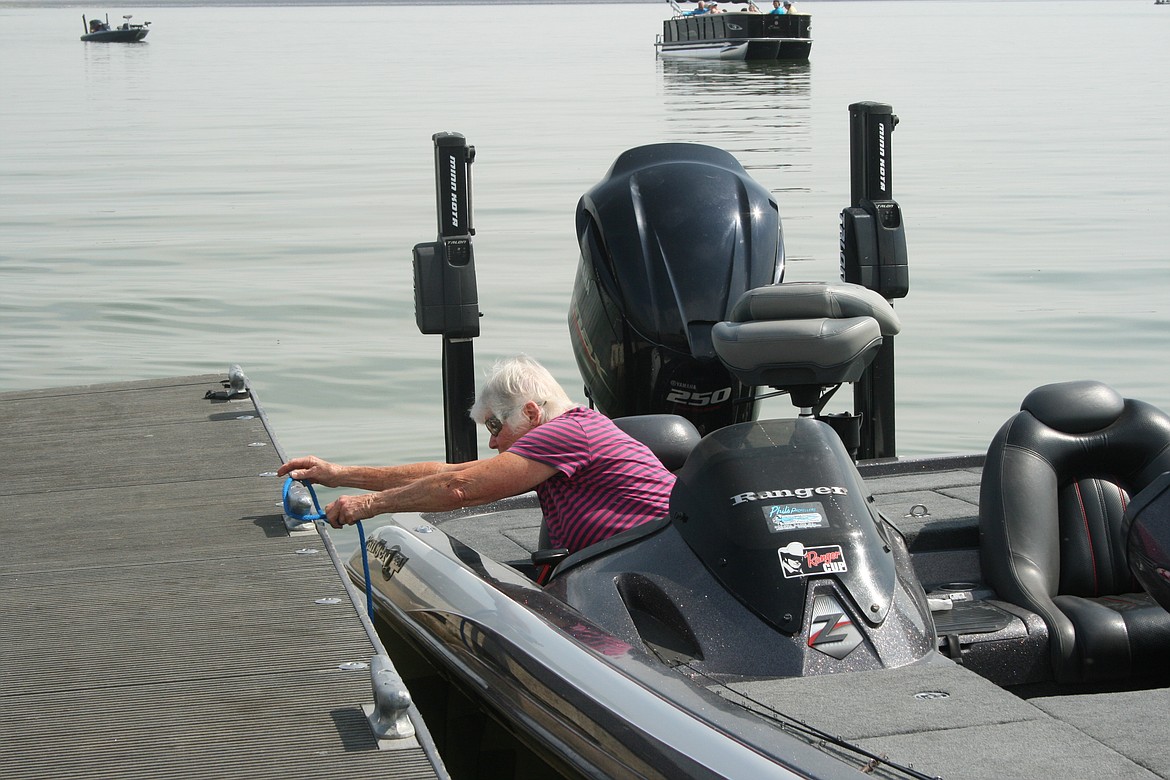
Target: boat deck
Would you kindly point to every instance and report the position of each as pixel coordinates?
(934, 502)
(940, 716)
(159, 620)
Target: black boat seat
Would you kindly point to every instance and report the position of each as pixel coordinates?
(1056, 482)
(626, 537)
(671, 437)
(804, 333)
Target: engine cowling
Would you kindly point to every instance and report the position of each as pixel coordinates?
(670, 239)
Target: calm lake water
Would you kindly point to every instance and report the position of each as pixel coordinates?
(246, 186)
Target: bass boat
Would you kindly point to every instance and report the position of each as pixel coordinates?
(813, 605)
(100, 31)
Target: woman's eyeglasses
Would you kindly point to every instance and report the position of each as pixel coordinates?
(494, 425)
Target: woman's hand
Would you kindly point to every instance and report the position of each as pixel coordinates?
(312, 469)
(348, 510)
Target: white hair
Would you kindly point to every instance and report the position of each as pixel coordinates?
(515, 381)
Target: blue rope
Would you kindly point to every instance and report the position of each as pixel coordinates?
(320, 515)
(366, 570)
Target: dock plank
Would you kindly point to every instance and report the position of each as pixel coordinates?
(158, 619)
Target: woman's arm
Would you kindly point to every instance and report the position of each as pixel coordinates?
(322, 472)
(475, 483)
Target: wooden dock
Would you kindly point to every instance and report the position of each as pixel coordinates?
(158, 619)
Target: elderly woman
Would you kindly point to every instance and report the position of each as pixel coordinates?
(592, 479)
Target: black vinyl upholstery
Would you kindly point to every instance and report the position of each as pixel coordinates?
(1055, 486)
(803, 333)
(669, 436)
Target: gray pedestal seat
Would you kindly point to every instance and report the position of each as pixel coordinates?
(802, 336)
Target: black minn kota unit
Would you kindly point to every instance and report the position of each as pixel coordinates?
(873, 254)
(446, 301)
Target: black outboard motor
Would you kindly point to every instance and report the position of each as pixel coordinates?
(670, 240)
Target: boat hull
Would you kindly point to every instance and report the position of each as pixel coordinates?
(755, 36)
(581, 698)
(133, 35)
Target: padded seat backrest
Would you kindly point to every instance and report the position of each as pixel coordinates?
(1092, 550)
(803, 333)
(1063, 467)
(671, 437)
(1055, 485)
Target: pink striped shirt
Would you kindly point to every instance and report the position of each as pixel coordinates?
(606, 481)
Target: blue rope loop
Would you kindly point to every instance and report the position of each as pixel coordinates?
(288, 510)
(320, 515)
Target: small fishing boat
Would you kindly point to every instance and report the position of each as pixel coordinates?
(100, 31)
(739, 35)
(813, 605)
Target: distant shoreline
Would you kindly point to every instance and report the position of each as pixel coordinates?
(304, 3)
(102, 6)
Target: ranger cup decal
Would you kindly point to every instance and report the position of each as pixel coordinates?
(796, 560)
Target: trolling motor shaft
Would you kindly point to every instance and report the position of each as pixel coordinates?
(873, 254)
(446, 301)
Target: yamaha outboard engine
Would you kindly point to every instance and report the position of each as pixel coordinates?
(670, 239)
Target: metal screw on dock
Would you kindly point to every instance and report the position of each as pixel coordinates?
(389, 716)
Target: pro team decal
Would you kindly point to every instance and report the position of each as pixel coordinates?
(794, 517)
(796, 560)
(832, 631)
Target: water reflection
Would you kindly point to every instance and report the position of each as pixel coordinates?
(115, 71)
(757, 110)
(753, 77)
